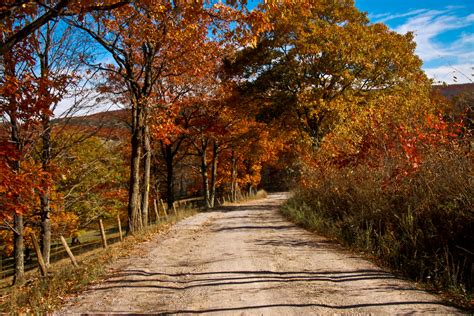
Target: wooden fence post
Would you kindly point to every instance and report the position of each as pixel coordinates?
(69, 252)
(39, 255)
(157, 214)
(174, 209)
(102, 232)
(119, 227)
(164, 207)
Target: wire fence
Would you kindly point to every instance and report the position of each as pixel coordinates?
(92, 239)
(112, 233)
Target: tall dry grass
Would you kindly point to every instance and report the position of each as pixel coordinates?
(421, 224)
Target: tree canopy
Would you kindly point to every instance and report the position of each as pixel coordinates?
(211, 93)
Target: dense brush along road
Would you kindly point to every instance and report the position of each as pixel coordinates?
(248, 260)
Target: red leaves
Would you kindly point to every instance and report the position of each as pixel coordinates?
(166, 125)
(436, 132)
(19, 188)
(382, 142)
(29, 98)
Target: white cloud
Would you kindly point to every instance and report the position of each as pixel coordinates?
(455, 7)
(376, 17)
(470, 17)
(447, 61)
(459, 73)
(428, 26)
(385, 17)
(467, 39)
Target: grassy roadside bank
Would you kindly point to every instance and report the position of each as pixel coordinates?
(401, 242)
(42, 295)
(260, 194)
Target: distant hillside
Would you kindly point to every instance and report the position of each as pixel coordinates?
(110, 124)
(116, 123)
(450, 91)
(115, 118)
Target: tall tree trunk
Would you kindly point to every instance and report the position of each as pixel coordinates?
(134, 218)
(45, 228)
(148, 51)
(44, 196)
(234, 178)
(146, 175)
(205, 179)
(215, 156)
(19, 250)
(18, 242)
(18, 237)
(169, 176)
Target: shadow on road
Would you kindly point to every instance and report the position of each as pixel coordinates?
(266, 207)
(228, 309)
(296, 242)
(247, 227)
(179, 282)
(128, 278)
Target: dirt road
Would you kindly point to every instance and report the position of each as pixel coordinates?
(248, 260)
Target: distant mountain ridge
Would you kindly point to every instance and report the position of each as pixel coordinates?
(120, 119)
(114, 124)
(453, 90)
(113, 118)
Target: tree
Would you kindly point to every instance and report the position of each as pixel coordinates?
(250, 145)
(150, 42)
(38, 73)
(207, 144)
(93, 177)
(22, 104)
(60, 58)
(169, 131)
(43, 12)
(222, 130)
(321, 61)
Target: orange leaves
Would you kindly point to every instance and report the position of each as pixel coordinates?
(435, 133)
(399, 147)
(19, 188)
(26, 99)
(164, 125)
(410, 149)
(27, 96)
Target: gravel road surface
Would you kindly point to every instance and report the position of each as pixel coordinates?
(249, 260)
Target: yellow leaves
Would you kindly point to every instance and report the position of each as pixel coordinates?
(254, 41)
(347, 75)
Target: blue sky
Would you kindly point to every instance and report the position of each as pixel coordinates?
(444, 33)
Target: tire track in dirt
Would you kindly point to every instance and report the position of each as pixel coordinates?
(249, 260)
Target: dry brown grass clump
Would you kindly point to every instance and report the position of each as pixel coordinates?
(421, 224)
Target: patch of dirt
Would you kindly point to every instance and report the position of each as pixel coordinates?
(249, 260)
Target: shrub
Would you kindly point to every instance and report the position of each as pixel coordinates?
(421, 224)
(405, 196)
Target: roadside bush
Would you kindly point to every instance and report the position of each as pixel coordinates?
(411, 208)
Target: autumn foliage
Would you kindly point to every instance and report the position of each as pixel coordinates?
(213, 95)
